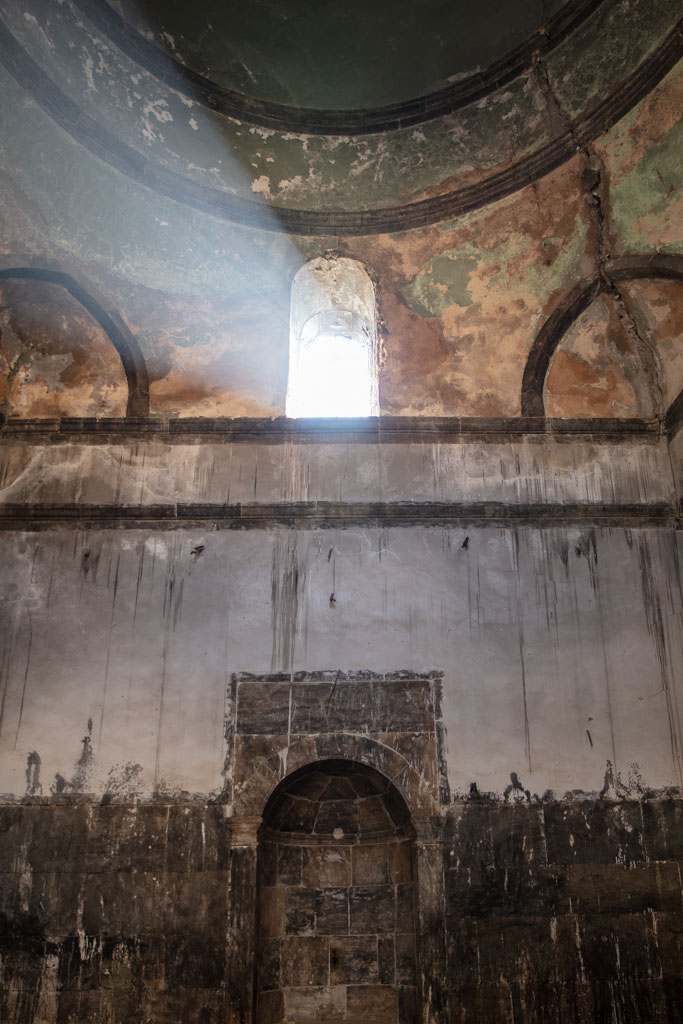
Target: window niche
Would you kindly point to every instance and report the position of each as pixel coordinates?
(332, 348)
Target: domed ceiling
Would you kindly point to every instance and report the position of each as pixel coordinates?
(182, 161)
(329, 56)
(466, 122)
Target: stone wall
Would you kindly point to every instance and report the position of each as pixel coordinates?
(485, 615)
(552, 911)
(564, 911)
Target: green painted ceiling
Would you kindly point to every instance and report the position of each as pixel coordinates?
(330, 55)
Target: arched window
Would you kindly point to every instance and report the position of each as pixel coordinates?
(332, 348)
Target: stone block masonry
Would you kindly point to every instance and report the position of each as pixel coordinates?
(553, 911)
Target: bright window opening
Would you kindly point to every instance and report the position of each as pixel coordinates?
(332, 369)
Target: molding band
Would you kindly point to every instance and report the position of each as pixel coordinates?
(370, 430)
(326, 514)
(318, 121)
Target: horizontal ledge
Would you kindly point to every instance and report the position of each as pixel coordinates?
(370, 430)
(338, 676)
(322, 514)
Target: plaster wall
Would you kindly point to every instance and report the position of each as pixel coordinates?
(676, 455)
(560, 645)
(459, 302)
(543, 469)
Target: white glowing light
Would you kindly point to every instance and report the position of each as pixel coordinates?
(332, 357)
(334, 378)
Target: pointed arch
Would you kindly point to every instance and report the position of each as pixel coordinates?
(666, 266)
(122, 338)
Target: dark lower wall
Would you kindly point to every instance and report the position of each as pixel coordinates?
(563, 912)
(113, 913)
(555, 911)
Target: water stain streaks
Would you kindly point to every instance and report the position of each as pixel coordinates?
(285, 583)
(652, 604)
(25, 680)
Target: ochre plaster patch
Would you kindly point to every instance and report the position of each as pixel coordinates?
(55, 359)
(588, 374)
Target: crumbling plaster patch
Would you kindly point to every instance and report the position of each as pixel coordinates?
(54, 358)
(594, 370)
(458, 330)
(658, 307)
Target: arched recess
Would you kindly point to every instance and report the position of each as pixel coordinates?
(281, 729)
(109, 320)
(337, 922)
(626, 268)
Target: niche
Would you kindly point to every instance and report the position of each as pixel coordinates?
(336, 900)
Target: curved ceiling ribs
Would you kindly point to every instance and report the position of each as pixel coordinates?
(109, 320)
(221, 203)
(667, 266)
(313, 121)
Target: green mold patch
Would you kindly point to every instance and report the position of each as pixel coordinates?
(563, 270)
(607, 49)
(518, 267)
(643, 202)
(524, 275)
(443, 282)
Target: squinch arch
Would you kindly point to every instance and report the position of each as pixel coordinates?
(667, 266)
(111, 323)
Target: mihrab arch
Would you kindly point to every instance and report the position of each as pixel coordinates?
(336, 899)
(341, 821)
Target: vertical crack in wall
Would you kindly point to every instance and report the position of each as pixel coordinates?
(105, 683)
(596, 188)
(171, 611)
(519, 604)
(557, 115)
(644, 346)
(597, 193)
(230, 715)
(25, 681)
